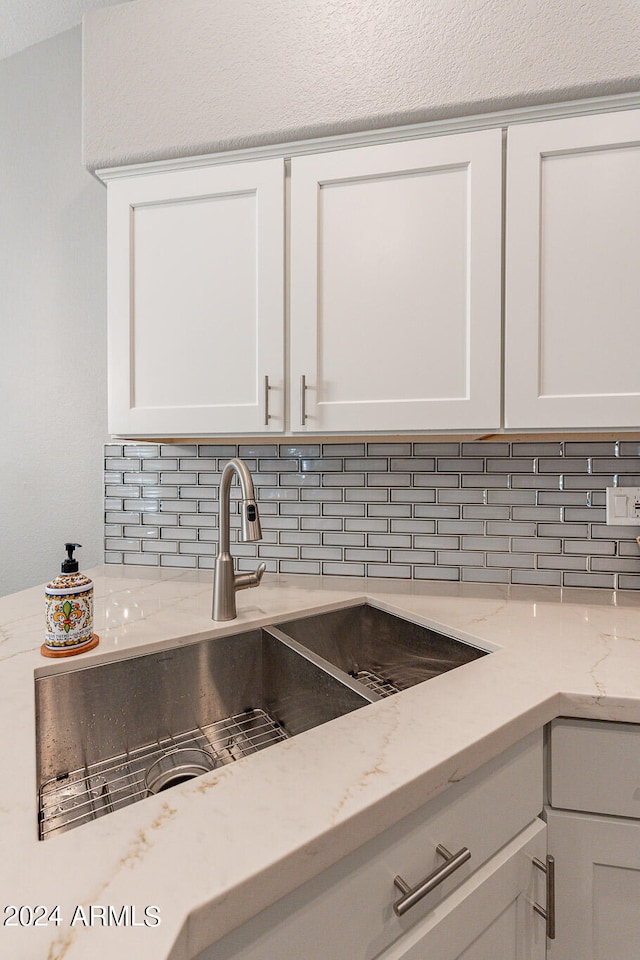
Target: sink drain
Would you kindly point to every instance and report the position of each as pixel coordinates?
(80, 796)
(176, 767)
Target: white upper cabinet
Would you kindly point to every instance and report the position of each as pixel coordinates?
(196, 300)
(572, 273)
(395, 286)
(395, 313)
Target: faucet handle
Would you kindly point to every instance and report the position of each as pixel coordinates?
(242, 581)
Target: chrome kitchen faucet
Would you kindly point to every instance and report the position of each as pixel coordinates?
(225, 580)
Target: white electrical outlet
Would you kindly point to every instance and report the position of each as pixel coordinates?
(623, 506)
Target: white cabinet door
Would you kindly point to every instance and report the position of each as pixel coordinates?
(597, 887)
(395, 286)
(491, 917)
(196, 308)
(572, 278)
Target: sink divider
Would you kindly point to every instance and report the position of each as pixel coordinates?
(324, 665)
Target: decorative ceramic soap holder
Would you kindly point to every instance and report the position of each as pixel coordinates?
(69, 611)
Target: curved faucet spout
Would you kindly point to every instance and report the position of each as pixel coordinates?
(226, 581)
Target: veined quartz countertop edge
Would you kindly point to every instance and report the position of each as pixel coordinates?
(215, 851)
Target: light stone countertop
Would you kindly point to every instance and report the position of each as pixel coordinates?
(213, 852)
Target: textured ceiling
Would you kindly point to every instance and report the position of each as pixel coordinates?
(23, 22)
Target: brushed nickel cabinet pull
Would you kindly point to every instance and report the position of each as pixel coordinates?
(267, 415)
(411, 895)
(548, 915)
(303, 400)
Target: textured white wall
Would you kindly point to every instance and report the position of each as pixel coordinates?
(52, 319)
(166, 78)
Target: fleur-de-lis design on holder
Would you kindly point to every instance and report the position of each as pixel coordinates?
(67, 615)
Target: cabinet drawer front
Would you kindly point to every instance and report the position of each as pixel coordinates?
(491, 916)
(595, 766)
(347, 911)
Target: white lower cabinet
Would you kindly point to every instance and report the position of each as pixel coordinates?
(490, 917)
(484, 909)
(595, 839)
(597, 886)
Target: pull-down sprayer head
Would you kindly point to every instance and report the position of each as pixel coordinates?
(250, 521)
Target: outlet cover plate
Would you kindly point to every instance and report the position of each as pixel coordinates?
(623, 506)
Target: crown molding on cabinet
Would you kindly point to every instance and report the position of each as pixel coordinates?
(502, 118)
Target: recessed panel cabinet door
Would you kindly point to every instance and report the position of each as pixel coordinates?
(395, 286)
(572, 278)
(597, 886)
(196, 308)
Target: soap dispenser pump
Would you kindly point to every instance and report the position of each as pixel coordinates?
(69, 611)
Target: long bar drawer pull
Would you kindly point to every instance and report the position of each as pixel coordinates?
(267, 415)
(303, 400)
(549, 915)
(411, 896)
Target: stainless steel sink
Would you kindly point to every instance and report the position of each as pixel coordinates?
(383, 651)
(111, 734)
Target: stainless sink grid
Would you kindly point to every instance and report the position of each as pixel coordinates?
(384, 688)
(100, 788)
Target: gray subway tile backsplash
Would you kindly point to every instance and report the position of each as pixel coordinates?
(545, 578)
(178, 561)
(367, 555)
(458, 495)
(482, 575)
(495, 512)
(436, 573)
(343, 569)
(343, 450)
(509, 560)
(389, 449)
(477, 448)
(146, 559)
(629, 448)
(534, 545)
(589, 449)
(615, 564)
(461, 558)
(546, 448)
(562, 563)
(460, 465)
(397, 571)
(626, 582)
(606, 581)
(143, 450)
(389, 510)
(511, 528)
(461, 527)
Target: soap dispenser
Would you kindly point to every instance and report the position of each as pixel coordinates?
(69, 611)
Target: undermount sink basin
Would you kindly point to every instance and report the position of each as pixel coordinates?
(113, 733)
(381, 650)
